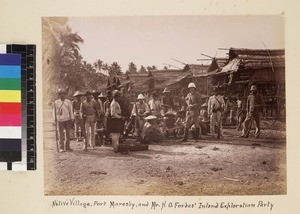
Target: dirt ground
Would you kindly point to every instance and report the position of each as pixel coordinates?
(228, 166)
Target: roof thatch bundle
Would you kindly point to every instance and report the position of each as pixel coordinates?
(259, 58)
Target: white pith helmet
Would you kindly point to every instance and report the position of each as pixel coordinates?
(191, 85)
(253, 88)
(140, 97)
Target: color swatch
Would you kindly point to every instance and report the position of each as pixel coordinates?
(19, 98)
(10, 108)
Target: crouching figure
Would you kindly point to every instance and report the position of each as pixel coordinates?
(150, 132)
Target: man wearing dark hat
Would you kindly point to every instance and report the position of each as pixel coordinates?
(63, 113)
(89, 113)
(215, 108)
(79, 126)
(254, 106)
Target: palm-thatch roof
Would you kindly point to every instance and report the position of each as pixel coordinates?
(173, 81)
(198, 70)
(259, 58)
(166, 74)
(217, 64)
(254, 59)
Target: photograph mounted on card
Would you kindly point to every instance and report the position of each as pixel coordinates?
(164, 105)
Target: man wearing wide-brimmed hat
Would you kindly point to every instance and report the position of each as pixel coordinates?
(101, 100)
(89, 113)
(140, 111)
(254, 106)
(63, 114)
(79, 126)
(150, 132)
(167, 99)
(215, 108)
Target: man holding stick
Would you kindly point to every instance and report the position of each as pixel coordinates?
(215, 108)
(254, 106)
(63, 115)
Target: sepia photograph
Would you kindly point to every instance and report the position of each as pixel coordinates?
(164, 105)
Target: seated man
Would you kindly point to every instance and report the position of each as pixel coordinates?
(180, 122)
(140, 111)
(169, 124)
(150, 132)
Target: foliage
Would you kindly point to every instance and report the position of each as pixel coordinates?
(114, 69)
(132, 69)
(151, 68)
(63, 63)
(142, 70)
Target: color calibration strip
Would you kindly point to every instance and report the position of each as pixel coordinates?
(10, 109)
(27, 107)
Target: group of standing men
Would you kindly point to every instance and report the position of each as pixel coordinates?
(246, 112)
(87, 115)
(106, 111)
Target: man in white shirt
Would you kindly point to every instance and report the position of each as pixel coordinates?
(140, 111)
(63, 113)
(215, 108)
(117, 126)
(154, 104)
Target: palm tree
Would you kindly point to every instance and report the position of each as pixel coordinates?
(98, 65)
(105, 69)
(69, 50)
(115, 69)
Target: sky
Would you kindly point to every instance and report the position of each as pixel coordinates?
(154, 40)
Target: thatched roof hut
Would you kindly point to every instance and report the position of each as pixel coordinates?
(265, 68)
(255, 65)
